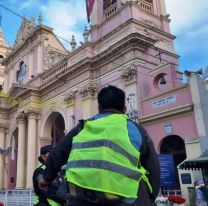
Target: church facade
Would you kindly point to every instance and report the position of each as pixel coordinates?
(48, 89)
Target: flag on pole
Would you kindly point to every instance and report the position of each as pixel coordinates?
(89, 7)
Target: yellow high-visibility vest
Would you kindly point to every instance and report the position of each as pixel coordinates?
(103, 159)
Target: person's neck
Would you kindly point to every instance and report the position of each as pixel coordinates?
(111, 110)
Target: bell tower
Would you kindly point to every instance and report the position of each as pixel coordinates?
(108, 15)
(4, 50)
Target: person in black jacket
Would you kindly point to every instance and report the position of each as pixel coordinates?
(44, 197)
(110, 99)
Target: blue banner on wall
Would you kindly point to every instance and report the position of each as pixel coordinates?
(167, 170)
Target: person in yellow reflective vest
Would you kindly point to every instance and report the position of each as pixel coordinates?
(46, 197)
(109, 159)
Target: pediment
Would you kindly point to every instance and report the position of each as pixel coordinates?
(51, 56)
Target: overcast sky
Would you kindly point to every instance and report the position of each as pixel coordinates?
(67, 17)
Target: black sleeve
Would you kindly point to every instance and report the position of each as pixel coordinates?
(150, 162)
(42, 194)
(59, 155)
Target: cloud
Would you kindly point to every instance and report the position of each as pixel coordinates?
(185, 14)
(189, 24)
(24, 4)
(65, 17)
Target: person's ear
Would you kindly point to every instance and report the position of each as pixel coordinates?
(124, 109)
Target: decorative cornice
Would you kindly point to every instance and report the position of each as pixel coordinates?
(129, 74)
(165, 93)
(88, 91)
(165, 114)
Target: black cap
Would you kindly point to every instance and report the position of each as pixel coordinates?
(44, 150)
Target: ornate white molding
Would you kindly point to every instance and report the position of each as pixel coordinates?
(52, 56)
(129, 74)
(20, 118)
(69, 98)
(88, 91)
(3, 127)
(32, 114)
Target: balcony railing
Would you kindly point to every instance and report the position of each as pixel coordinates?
(54, 73)
(146, 6)
(110, 10)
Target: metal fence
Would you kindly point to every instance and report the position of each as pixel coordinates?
(172, 192)
(17, 197)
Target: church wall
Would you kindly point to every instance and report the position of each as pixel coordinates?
(182, 125)
(181, 96)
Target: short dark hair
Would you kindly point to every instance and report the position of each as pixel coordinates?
(111, 97)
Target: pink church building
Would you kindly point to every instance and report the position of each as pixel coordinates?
(47, 89)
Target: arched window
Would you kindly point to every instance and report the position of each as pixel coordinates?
(21, 73)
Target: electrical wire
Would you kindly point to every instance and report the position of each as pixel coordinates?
(62, 38)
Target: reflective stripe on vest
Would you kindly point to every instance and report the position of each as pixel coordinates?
(103, 159)
(106, 143)
(101, 164)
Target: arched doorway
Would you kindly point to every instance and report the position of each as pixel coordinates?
(175, 146)
(54, 127)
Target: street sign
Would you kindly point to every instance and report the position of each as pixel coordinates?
(167, 171)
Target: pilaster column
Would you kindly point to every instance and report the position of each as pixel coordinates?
(31, 146)
(21, 151)
(39, 57)
(88, 100)
(38, 137)
(30, 68)
(69, 99)
(162, 7)
(2, 144)
(129, 76)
